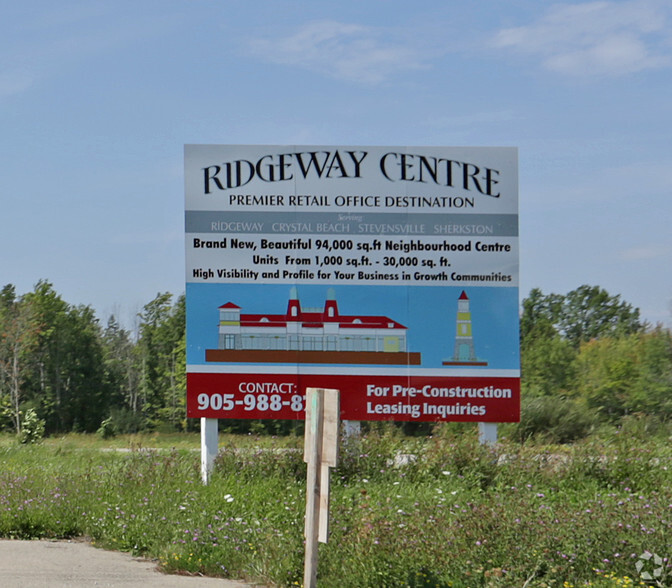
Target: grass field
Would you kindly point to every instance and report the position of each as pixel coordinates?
(178, 441)
(418, 512)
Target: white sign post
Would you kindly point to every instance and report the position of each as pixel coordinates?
(209, 442)
(487, 433)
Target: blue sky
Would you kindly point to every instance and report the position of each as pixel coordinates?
(97, 100)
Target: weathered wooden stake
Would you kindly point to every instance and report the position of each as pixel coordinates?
(313, 452)
(321, 453)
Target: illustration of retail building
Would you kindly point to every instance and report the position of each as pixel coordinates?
(464, 353)
(310, 335)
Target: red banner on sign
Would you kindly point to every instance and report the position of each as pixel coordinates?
(363, 398)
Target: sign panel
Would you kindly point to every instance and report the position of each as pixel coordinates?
(389, 273)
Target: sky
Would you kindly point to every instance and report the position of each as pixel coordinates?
(98, 99)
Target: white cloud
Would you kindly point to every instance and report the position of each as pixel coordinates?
(475, 119)
(647, 184)
(49, 42)
(12, 83)
(340, 50)
(644, 253)
(595, 38)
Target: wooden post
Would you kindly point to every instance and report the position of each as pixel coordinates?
(329, 457)
(313, 452)
(209, 441)
(321, 453)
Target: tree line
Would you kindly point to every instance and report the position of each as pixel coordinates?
(586, 358)
(58, 361)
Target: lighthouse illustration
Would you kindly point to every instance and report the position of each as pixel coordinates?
(464, 353)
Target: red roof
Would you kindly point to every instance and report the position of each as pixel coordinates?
(318, 320)
(463, 296)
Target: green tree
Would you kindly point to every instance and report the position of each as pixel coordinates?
(121, 366)
(590, 312)
(174, 410)
(161, 349)
(175, 366)
(55, 359)
(627, 374)
(606, 372)
(19, 331)
(87, 396)
(46, 377)
(556, 358)
(67, 378)
(652, 389)
(540, 311)
(547, 361)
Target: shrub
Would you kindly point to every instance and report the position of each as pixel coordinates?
(32, 428)
(556, 420)
(107, 429)
(125, 421)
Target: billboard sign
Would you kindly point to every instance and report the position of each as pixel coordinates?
(389, 273)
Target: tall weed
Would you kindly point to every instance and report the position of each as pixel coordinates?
(420, 512)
